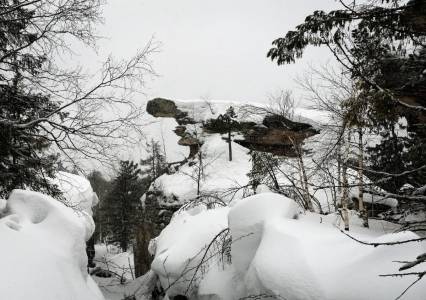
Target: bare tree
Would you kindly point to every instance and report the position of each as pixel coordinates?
(345, 194)
(94, 113)
(362, 208)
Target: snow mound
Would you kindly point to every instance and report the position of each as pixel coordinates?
(278, 252)
(246, 220)
(181, 247)
(220, 174)
(77, 191)
(45, 257)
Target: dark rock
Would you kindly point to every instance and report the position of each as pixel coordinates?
(180, 130)
(188, 140)
(155, 217)
(160, 107)
(99, 272)
(193, 143)
(281, 122)
(277, 135)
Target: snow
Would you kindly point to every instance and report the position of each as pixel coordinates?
(280, 252)
(122, 283)
(202, 110)
(179, 248)
(220, 173)
(246, 220)
(161, 131)
(77, 191)
(276, 249)
(44, 257)
(374, 199)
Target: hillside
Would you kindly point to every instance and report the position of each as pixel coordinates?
(199, 252)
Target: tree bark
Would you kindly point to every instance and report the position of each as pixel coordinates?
(345, 196)
(229, 145)
(361, 206)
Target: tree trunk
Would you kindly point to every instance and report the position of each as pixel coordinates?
(200, 170)
(305, 182)
(361, 207)
(303, 176)
(339, 170)
(345, 196)
(229, 145)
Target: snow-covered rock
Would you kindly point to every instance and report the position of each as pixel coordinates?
(219, 174)
(246, 222)
(182, 244)
(43, 253)
(277, 251)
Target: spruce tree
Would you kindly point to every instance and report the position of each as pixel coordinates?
(122, 208)
(24, 160)
(229, 118)
(155, 163)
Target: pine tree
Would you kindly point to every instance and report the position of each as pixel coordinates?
(155, 163)
(265, 167)
(229, 119)
(24, 160)
(122, 209)
(256, 174)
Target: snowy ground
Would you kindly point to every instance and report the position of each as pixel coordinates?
(279, 252)
(122, 283)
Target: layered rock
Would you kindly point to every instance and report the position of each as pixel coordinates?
(276, 134)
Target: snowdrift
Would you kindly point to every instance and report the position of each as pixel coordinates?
(43, 253)
(220, 174)
(278, 252)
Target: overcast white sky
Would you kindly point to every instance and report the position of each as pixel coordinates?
(215, 49)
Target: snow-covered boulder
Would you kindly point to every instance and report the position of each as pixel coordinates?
(43, 253)
(181, 246)
(246, 221)
(278, 252)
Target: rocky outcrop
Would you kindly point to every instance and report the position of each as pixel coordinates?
(160, 107)
(193, 143)
(155, 217)
(277, 135)
(180, 130)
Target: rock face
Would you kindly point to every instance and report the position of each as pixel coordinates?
(276, 135)
(155, 217)
(160, 107)
(193, 143)
(273, 140)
